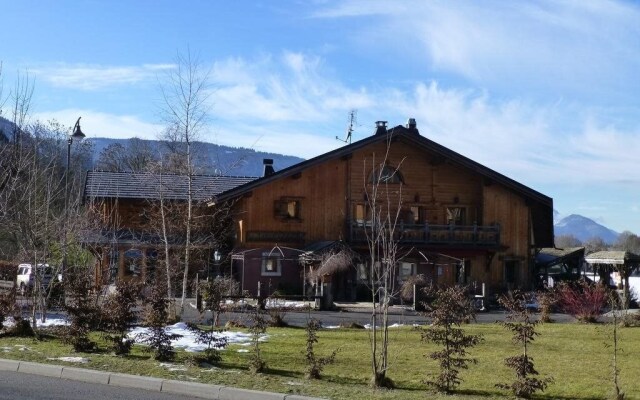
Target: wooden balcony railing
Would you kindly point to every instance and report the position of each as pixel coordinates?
(427, 234)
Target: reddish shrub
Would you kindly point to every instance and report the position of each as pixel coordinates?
(583, 300)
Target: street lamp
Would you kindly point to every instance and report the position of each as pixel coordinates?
(216, 257)
(78, 136)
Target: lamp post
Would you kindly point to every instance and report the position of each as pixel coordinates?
(216, 258)
(78, 136)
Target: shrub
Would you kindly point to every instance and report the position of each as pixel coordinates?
(7, 306)
(520, 323)
(213, 294)
(82, 310)
(258, 327)
(118, 316)
(214, 340)
(546, 300)
(583, 300)
(158, 339)
(450, 308)
(315, 364)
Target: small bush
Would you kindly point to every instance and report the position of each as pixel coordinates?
(520, 323)
(118, 316)
(546, 300)
(214, 340)
(258, 327)
(158, 339)
(315, 364)
(583, 300)
(451, 308)
(82, 310)
(7, 306)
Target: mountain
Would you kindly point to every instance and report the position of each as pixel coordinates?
(583, 228)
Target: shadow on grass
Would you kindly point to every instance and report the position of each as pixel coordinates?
(505, 394)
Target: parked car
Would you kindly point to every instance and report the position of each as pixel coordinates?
(26, 277)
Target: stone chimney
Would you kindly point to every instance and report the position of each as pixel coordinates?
(381, 127)
(412, 126)
(268, 167)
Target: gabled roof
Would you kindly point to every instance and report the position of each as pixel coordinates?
(541, 206)
(551, 256)
(400, 132)
(132, 185)
(618, 257)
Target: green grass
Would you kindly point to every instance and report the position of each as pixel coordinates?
(575, 355)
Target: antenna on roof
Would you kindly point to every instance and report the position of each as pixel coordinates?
(352, 120)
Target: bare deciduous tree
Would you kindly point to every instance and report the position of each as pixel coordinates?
(185, 112)
(384, 205)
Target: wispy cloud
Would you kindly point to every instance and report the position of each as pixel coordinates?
(555, 47)
(94, 77)
(290, 87)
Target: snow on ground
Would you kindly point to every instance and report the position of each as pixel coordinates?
(52, 320)
(81, 360)
(188, 339)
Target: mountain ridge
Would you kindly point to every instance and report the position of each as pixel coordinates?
(583, 228)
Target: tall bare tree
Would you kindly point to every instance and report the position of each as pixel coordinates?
(185, 98)
(384, 204)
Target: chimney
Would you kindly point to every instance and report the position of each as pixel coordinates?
(381, 127)
(268, 166)
(412, 126)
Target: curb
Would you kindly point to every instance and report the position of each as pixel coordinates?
(202, 390)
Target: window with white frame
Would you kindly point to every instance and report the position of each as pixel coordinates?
(406, 270)
(271, 264)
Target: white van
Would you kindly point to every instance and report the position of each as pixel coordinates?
(26, 276)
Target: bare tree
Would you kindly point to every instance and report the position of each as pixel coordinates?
(185, 111)
(564, 241)
(384, 203)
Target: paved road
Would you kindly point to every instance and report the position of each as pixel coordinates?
(358, 315)
(20, 386)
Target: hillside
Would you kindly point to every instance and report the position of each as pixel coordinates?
(212, 158)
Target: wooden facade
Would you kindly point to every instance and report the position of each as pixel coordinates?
(126, 237)
(460, 221)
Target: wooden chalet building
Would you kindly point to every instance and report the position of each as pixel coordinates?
(126, 238)
(459, 221)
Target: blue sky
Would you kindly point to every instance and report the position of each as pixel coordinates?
(545, 92)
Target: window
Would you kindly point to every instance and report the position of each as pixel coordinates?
(271, 264)
(387, 174)
(359, 213)
(132, 262)
(289, 208)
(407, 270)
(456, 215)
(463, 272)
(151, 262)
(363, 272)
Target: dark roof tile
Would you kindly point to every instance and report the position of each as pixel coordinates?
(130, 185)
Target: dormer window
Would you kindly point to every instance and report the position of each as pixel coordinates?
(387, 174)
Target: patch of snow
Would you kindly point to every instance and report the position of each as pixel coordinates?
(81, 360)
(52, 320)
(243, 351)
(173, 367)
(187, 341)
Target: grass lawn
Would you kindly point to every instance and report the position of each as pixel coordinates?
(575, 355)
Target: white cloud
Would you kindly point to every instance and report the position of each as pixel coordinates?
(293, 87)
(99, 124)
(94, 77)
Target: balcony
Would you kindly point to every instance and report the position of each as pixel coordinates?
(438, 235)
